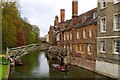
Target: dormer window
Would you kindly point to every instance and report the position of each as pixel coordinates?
(103, 4)
(83, 18)
(94, 15)
(116, 1)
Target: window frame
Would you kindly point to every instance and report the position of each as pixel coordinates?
(101, 24)
(114, 46)
(95, 15)
(116, 1)
(85, 33)
(70, 35)
(89, 48)
(90, 33)
(78, 34)
(101, 46)
(82, 48)
(101, 4)
(114, 22)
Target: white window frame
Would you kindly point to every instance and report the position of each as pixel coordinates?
(102, 45)
(101, 24)
(70, 35)
(58, 37)
(89, 48)
(101, 4)
(114, 22)
(94, 15)
(116, 1)
(114, 46)
(85, 33)
(90, 33)
(78, 34)
(67, 35)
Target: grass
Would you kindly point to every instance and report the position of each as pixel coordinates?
(3, 69)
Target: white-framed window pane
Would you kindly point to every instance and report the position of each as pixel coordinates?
(89, 49)
(103, 4)
(116, 1)
(84, 33)
(90, 32)
(117, 46)
(102, 46)
(118, 21)
(78, 34)
(103, 24)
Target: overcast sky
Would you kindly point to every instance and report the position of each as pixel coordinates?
(43, 12)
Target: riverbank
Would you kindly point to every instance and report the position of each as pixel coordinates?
(89, 65)
(4, 70)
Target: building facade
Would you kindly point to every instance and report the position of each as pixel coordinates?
(108, 38)
(77, 34)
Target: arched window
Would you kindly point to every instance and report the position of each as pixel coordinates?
(89, 49)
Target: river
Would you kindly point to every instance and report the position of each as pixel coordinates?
(36, 65)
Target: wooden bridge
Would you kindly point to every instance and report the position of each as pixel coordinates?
(15, 53)
(57, 53)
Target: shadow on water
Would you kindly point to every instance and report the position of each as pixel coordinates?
(36, 65)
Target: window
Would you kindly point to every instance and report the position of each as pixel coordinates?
(64, 37)
(102, 46)
(64, 46)
(78, 34)
(116, 1)
(84, 18)
(94, 15)
(67, 35)
(82, 48)
(117, 22)
(78, 48)
(103, 24)
(58, 37)
(71, 47)
(89, 49)
(103, 4)
(116, 46)
(90, 32)
(84, 33)
(71, 35)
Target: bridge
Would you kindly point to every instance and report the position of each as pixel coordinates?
(15, 53)
(57, 53)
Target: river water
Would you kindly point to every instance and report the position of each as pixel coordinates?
(36, 65)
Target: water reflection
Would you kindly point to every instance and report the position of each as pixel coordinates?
(42, 70)
(35, 65)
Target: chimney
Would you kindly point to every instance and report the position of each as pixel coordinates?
(74, 8)
(56, 21)
(62, 15)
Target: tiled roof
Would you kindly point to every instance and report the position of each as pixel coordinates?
(88, 18)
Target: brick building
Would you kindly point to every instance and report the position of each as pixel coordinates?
(108, 38)
(77, 34)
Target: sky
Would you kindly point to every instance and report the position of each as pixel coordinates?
(42, 12)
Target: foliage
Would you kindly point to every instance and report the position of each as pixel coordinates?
(15, 30)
